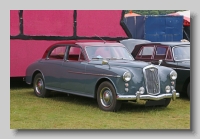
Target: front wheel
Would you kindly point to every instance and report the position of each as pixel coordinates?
(39, 86)
(106, 97)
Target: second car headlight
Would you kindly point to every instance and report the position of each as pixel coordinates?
(127, 76)
(173, 75)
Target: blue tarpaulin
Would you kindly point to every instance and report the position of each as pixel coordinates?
(155, 28)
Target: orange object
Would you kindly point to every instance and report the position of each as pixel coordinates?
(131, 14)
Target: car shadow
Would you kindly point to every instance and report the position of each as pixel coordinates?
(17, 82)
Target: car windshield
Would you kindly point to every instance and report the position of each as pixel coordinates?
(108, 52)
(181, 53)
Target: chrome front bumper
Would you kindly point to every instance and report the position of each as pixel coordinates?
(139, 96)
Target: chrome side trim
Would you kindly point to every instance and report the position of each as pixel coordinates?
(69, 92)
(94, 74)
(183, 60)
(181, 68)
(139, 97)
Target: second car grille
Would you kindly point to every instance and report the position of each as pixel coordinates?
(152, 80)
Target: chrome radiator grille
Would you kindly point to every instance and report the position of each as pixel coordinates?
(152, 80)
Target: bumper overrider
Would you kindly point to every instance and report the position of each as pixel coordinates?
(139, 96)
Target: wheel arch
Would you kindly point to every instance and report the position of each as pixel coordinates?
(101, 80)
(35, 73)
(185, 84)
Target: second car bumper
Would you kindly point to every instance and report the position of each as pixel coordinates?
(139, 96)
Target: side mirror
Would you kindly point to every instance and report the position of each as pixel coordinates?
(159, 62)
(105, 62)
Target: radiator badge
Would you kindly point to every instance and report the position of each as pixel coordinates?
(152, 70)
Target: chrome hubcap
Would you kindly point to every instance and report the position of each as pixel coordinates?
(38, 85)
(106, 97)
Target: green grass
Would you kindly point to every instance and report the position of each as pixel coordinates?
(75, 112)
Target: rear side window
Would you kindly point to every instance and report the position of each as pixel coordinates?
(58, 52)
(162, 52)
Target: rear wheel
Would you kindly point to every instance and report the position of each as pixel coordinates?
(39, 86)
(106, 97)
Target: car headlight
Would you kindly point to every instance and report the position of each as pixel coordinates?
(173, 75)
(127, 76)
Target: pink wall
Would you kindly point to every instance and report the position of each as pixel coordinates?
(100, 22)
(14, 22)
(48, 22)
(55, 23)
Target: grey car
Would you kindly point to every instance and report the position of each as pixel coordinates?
(105, 71)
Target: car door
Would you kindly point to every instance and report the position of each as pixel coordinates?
(52, 65)
(73, 71)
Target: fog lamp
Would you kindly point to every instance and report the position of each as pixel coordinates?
(167, 89)
(141, 90)
(126, 84)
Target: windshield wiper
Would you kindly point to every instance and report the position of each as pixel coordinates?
(97, 58)
(111, 58)
(123, 58)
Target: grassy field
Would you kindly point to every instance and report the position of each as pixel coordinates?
(74, 112)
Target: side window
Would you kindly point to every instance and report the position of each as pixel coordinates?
(58, 52)
(146, 52)
(75, 54)
(160, 52)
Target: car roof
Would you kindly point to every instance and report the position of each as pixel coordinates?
(84, 43)
(173, 43)
(131, 43)
(88, 44)
(134, 45)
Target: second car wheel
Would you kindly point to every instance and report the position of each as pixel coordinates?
(39, 86)
(188, 90)
(106, 97)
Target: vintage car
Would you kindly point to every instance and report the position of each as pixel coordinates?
(105, 71)
(175, 55)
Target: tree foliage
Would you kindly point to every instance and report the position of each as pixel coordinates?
(152, 12)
